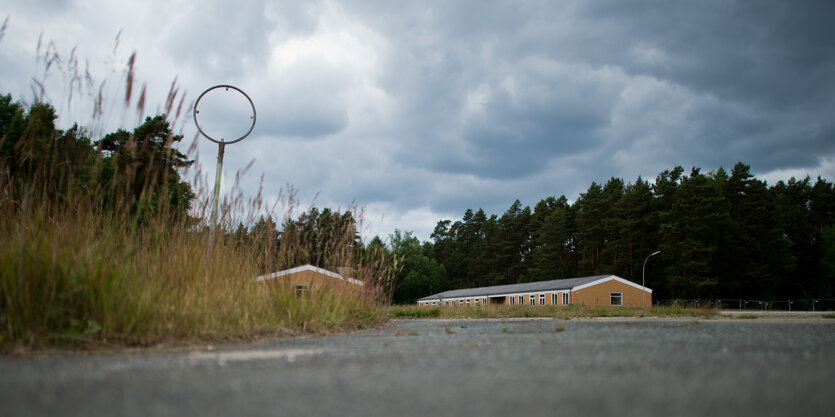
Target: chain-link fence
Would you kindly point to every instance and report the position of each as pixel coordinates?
(808, 304)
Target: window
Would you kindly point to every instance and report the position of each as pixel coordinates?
(302, 289)
(484, 301)
(542, 299)
(553, 299)
(468, 302)
(476, 301)
(532, 299)
(521, 300)
(565, 298)
(512, 300)
(617, 298)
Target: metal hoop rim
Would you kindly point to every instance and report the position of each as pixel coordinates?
(227, 86)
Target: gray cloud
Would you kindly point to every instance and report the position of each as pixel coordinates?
(304, 102)
(224, 39)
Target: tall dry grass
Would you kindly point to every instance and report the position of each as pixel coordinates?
(72, 275)
(73, 270)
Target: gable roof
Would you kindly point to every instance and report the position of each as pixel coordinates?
(311, 268)
(571, 284)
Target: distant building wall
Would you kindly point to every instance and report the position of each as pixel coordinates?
(601, 295)
(307, 278)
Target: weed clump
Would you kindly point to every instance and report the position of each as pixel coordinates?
(414, 313)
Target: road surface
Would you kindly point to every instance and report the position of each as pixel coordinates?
(540, 367)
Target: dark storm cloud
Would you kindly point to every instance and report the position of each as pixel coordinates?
(518, 131)
(770, 53)
(745, 65)
(770, 64)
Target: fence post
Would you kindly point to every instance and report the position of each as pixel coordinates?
(790, 305)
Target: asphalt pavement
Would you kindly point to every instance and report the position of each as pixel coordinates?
(541, 367)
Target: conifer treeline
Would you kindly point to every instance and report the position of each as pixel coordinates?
(720, 235)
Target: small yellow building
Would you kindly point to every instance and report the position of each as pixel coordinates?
(600, 290)
(306, 278)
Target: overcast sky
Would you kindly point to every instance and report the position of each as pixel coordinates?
(420, 110)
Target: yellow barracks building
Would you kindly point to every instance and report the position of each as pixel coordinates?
(308, 278)
(600, 290)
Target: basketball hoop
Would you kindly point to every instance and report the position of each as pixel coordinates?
(222, 140)
(221, 144)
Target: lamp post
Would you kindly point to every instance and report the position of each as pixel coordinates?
(643, 279)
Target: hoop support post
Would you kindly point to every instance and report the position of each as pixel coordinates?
(221, 148)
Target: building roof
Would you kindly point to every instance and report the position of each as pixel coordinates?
(308, 267)
(528, 287)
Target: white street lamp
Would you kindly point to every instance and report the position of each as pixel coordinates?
(643, 279)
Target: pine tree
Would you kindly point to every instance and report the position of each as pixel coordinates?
(553, 248)
(638, 229)
(689, 236)
(513, 243)
(756, 246)
(591, 230)
(792, 201)
(613, 258)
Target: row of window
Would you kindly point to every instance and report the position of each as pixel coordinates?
(615, 299)
(532, 299)
(454, 303)
(513, 299)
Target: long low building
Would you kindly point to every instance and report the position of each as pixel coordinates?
(600, 290)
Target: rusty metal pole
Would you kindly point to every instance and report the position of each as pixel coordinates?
(221, 147)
